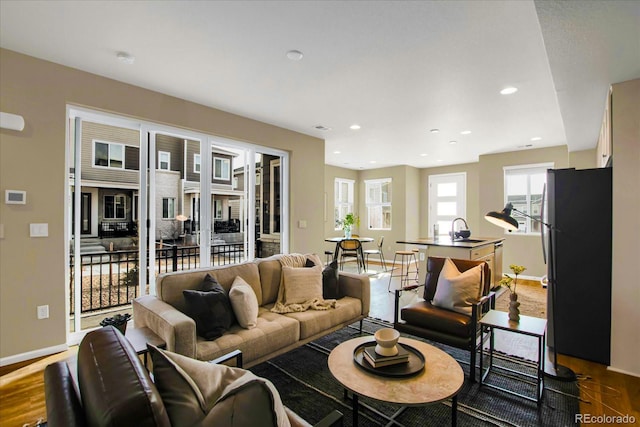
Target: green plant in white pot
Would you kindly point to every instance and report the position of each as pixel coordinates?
(348, 222)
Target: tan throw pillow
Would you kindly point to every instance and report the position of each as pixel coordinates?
(458, 291)
(205, 394)
(244, 303)
(302, 284)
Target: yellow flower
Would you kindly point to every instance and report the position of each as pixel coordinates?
(509, 281)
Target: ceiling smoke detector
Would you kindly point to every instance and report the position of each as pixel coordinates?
(295, 55)
(322, 128)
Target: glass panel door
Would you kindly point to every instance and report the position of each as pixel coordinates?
(103, 254)
(447, 201)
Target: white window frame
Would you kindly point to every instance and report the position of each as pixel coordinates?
(222, 172)
(170, 207)
(109, 145)
(527, 226)
(342, 205)
(160, 161)
(460, 200)
(123, 198)
(378, 205)
(197, 163)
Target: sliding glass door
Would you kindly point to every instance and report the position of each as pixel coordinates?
(153, 199)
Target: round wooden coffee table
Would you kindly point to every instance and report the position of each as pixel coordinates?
(441, 379)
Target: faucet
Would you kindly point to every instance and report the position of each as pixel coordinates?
(453, 234)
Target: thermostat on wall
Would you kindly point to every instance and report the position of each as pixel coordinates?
(15, 197)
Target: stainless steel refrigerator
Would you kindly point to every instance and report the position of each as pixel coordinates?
(579, 265)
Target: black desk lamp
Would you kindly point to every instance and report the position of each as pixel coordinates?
(505, 220)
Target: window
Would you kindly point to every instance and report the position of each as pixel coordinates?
(221, 168)
(196, 163)
(168, 208)
(523, 187)
(447, 201)
(344, 200)
(217, 209)
(164, 160)
(114, 207)
(108, 154)
(378, 204)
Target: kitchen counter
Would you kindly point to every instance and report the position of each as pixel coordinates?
(472, 242)
(488, 249)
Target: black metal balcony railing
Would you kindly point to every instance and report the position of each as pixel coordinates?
(117, 229)
(111, 279)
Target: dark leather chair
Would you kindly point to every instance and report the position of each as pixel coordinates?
(425, 320)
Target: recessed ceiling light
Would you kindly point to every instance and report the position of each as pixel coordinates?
(294, 55)
(452, 142)
(536, 138)
(439, 160)
(434, 130)
(354, 127)
(373, 161)
(323, 128)
(465, 132)
(509, 90)
(337, 152)
(126, 58)
(423, 155)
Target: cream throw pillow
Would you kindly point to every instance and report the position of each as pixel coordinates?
(244, 303)
(458, 291)
(206, 394)
(302, 284)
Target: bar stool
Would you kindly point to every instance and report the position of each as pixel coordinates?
(329, 256)
(416, 252)
(404, 273)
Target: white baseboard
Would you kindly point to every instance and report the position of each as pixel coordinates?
(622, 371)
(10, 360)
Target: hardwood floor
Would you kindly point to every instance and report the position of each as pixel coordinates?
(602, 392)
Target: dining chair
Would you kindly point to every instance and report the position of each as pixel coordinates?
(351, 248)
(375, 252)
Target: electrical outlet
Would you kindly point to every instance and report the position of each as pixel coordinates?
(421, 256)
(43, 312)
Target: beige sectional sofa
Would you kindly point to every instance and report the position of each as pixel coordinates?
(274, 333)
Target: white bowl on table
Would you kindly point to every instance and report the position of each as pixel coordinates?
(386, 341)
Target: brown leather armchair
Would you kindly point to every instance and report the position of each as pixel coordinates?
(425, 320)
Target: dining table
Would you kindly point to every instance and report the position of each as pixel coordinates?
(338, 239)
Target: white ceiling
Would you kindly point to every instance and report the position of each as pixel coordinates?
(398, 69)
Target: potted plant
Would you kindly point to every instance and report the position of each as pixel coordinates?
(119, 321)
(512, 283)
(348, 222)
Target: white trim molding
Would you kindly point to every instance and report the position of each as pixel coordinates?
(29, 355)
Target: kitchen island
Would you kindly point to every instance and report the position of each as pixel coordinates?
(476, 248)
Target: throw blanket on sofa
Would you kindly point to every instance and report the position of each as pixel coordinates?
(316, 303)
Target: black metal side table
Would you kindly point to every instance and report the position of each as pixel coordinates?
(139, 337)
(527, 325)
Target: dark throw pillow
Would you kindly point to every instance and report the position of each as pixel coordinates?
(330, 281)
(210, 309)
(309, 263)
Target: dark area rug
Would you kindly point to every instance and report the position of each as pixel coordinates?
(307, 387)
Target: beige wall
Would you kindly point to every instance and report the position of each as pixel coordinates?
(584, 159)
(625, 334)
(32, 270)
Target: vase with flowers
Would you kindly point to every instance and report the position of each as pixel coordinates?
(348, 222)
(512, 283)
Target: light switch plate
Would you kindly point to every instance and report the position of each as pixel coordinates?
(39, 230)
